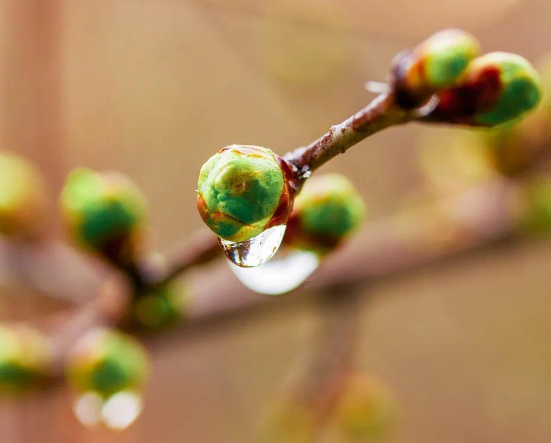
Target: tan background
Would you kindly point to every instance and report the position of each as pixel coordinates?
(154, 87)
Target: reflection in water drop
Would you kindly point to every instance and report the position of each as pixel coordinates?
(282, 274)
(87, 409)
(255, 251)
(121, 410)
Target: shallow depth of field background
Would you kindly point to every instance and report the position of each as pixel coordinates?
(154, 87)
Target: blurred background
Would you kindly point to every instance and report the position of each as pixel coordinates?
(154, 88)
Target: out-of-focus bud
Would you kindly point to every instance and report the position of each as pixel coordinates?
(289, 421)
(328, 210)
(533, 207)
(161, 307)
(495, 88)
(366, 409)
(104, 212)
(244, 190)
(23, 200)
(25, 358)
(435, 64)
(106, 362)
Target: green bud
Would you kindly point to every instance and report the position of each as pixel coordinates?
(495, 88)
(327, 210)
(104, 212)
(161, 307)
(23, 200)
(106, 362)
(435, 64)
(366, 409)
(534, 207)
(242, 191)
(25, 357)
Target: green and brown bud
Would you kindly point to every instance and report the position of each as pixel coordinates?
(161, 307)
(104, 212)
(244, 190)
(23, 199)
(106, 361)
(25, 358)
(435, 64)
(495, 88)
(366, 409)
(328, 210)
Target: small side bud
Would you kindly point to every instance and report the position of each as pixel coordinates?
(495, 88)
(327, 211)
(104, 212)
(25, 358)
(106, 362)
(435, 64)
(23, 200)
(160, 308)
(244, 190)
(366, 408)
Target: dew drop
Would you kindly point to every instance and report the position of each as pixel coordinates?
(287, 271)
(121, 410)
(87, 409)
(257, 250)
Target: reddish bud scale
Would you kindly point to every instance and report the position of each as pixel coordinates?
(285, 205)
(475, 95)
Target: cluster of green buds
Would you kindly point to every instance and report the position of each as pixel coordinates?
(23, 199)
(105, 213)
(473, 90)
(366, 409)
(107, 362)
(159, 307)
(328, 210)
(25, 358)
(244, 190)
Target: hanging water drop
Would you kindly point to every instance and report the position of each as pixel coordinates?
(87, 409)
(121, 410)
(257, 250)
(287, 271)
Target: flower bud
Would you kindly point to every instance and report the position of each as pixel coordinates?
(495, 88)
(106, 361)
(23, 200)
(327, 210)
(161, 307)
(435, 64)
(25, 357)
(289, 421)
(104, 212)
(366, 408)
(242, 191)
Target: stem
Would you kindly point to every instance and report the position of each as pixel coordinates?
(381, 113)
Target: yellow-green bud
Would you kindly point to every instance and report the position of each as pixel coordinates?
(242, 191)
(161, 307)
(366, 409)
(435, 64)
(534, 207)
(495, 88)
(23, 201)
(327, 210)
(104, 212)
(25, 358)
(106, 361)
(289, 421)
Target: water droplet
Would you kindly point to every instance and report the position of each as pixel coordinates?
(87, 409)
(255, 251)
(121, 410)
(287, 271)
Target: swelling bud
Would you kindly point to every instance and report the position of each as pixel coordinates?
(104, 212)
(106, 362)
(23, 200)
(495, 88)
(242, 191)
(328, 210)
